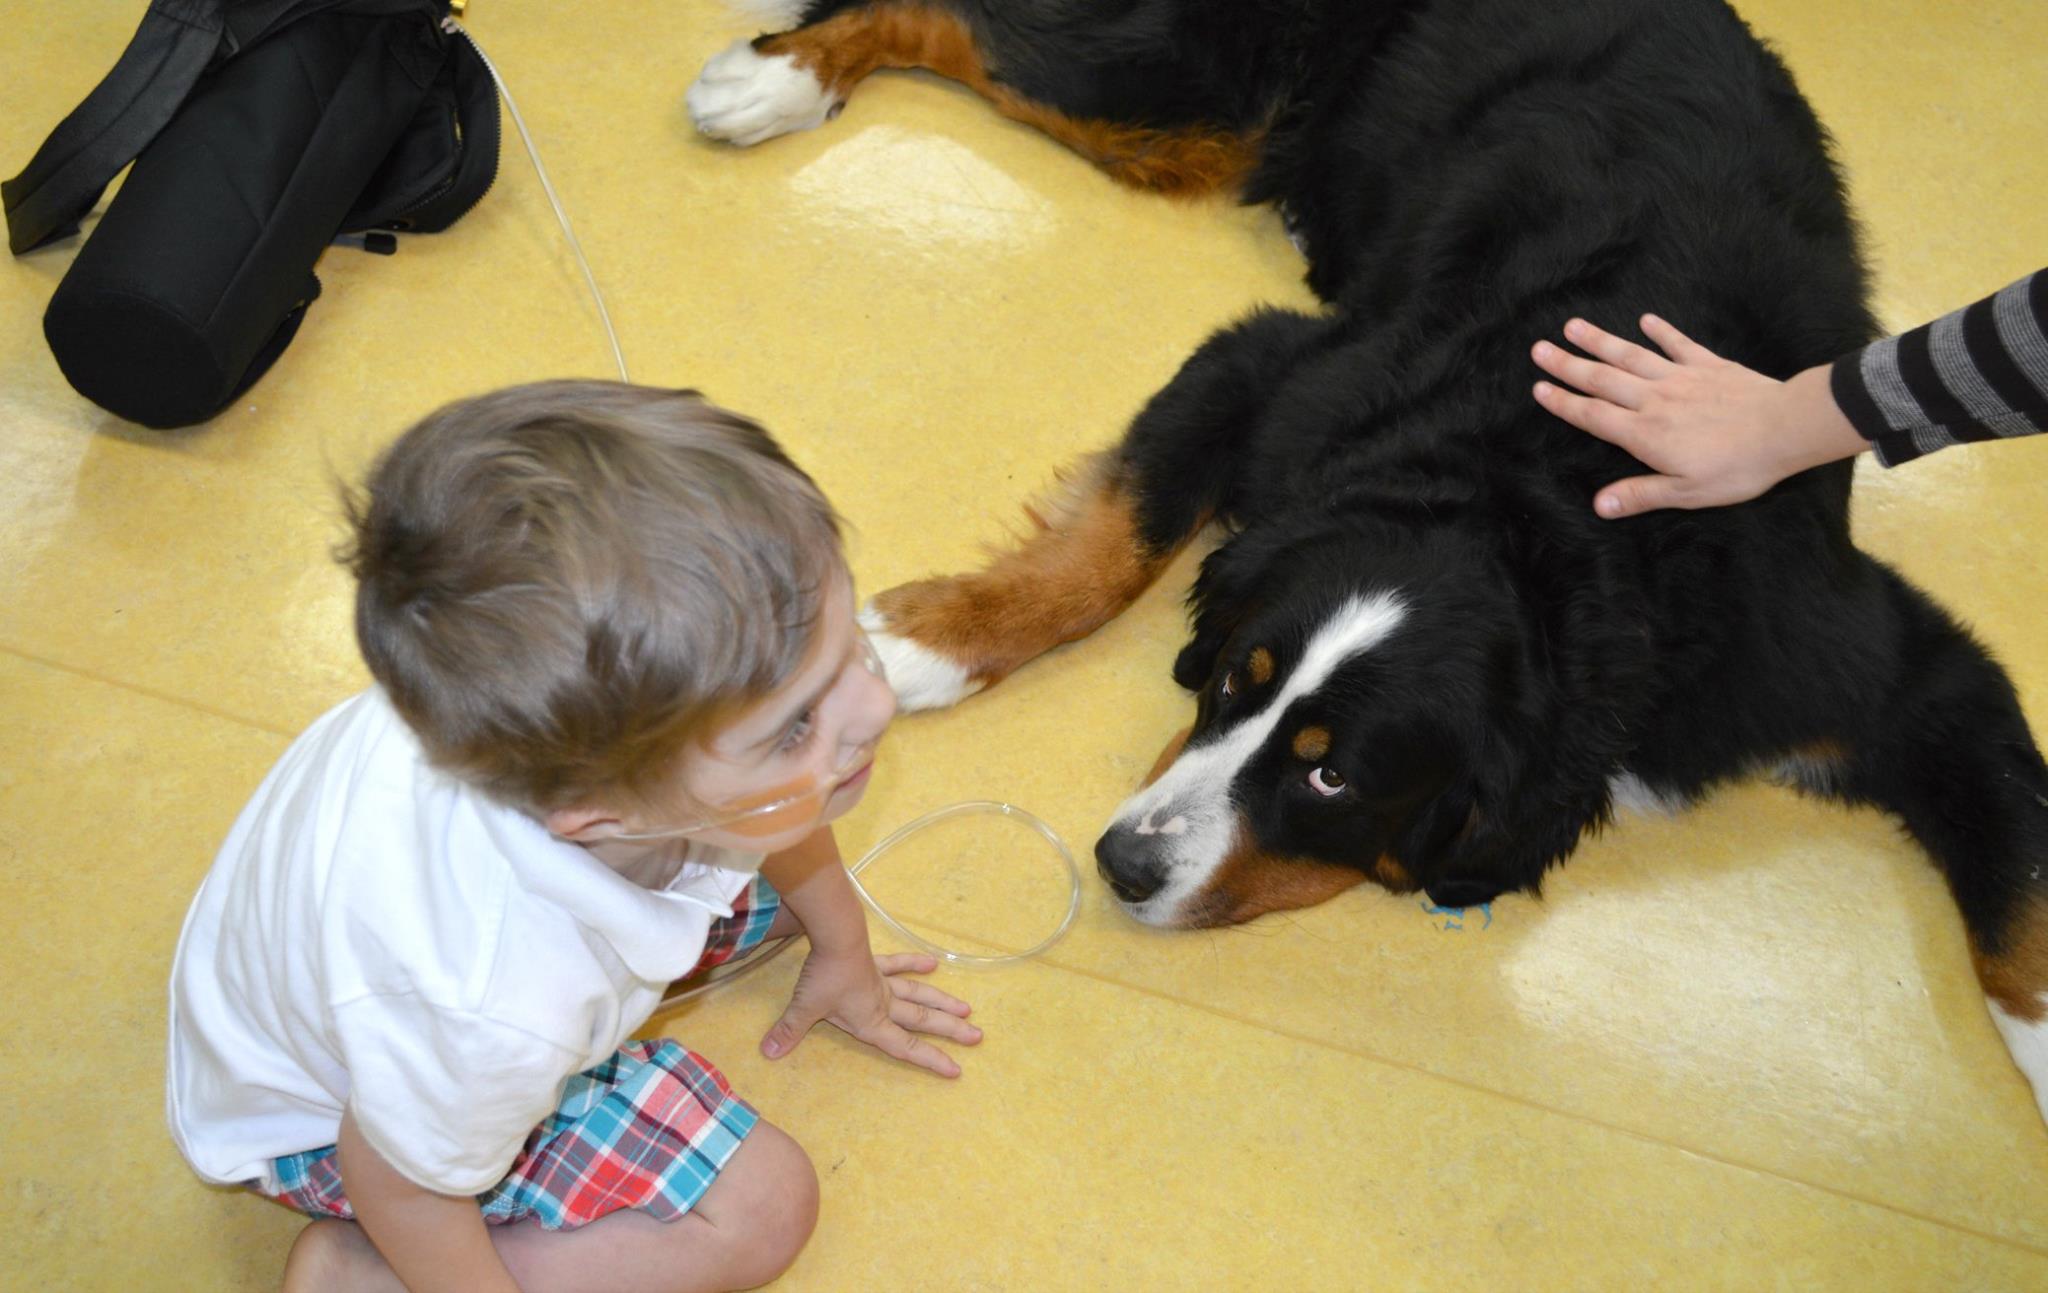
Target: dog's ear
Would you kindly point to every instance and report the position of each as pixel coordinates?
(1495, 825)
(1197, 660)
(1447, 847)
(1498, 825)
(1225, 592)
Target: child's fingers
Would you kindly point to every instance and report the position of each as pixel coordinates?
(932, 1020)
(1675, 343)
(925, 994)
(1619, 351)
(897, 1043)
(906, 963)
(1596, 417)
(788, 1031)
(1609, 383)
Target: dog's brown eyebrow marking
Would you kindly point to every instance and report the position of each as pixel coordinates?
(1260, 665)
(1311, 743)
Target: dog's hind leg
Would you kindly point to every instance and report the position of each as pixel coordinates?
(799, 79)
(1950, 754)
(1119, 517)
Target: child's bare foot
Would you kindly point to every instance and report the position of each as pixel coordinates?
(336, 1255)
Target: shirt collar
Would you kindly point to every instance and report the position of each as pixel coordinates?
(659, 934)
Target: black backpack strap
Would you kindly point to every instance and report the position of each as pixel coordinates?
(176, 42)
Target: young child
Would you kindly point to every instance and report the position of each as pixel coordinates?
(620, 692)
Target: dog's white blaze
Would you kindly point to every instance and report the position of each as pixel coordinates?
(744, 98)
(1191, 803)
(920, 677)
(2027, 1039)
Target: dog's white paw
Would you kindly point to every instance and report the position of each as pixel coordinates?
(2027, 1039)
(744, 98)
(920, 677)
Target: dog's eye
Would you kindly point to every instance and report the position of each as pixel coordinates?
(1229, 687)
(1326, 781)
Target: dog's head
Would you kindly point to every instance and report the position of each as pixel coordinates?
(1362, 714)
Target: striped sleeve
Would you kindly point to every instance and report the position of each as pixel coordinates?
(1978, 374)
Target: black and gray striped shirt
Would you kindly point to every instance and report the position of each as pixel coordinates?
(1978, 374)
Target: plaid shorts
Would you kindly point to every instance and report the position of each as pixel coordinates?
(649, 1128)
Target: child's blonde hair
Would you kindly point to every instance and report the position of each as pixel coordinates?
(560, 585)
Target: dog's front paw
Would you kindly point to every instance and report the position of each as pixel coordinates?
(745, 97)
(921, 677)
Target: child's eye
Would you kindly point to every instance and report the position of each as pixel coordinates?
(799, 732)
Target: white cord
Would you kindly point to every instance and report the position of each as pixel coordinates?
(604, 316)
(767, 952)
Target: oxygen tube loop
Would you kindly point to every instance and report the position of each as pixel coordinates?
(973, 807)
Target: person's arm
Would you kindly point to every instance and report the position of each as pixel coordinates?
(812, 883)
(843, 982)
(1716, 432)
(1977, 374)
(431, 1241)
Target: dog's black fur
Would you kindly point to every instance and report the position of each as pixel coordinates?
(1464, 177)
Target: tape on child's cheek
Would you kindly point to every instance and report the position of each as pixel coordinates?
(787, 818)
(805, 794)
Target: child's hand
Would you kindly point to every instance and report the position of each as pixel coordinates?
(1717, 432)
(869, 998)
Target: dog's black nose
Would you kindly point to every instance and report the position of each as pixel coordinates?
(1130, 864)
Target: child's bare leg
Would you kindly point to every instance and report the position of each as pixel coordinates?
(746, 1230)
(336, 1255)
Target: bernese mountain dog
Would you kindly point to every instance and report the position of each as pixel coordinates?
(1418, 657)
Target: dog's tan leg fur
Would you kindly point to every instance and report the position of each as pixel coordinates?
(845, 48)
(2017, 978)
(1082, 565)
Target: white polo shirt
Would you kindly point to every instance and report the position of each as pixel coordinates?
(377, 936)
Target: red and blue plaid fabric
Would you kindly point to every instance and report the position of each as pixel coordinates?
(649, 1128)
(752, 913)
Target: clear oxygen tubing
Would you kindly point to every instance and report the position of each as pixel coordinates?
(951, 956)
(972, 807)
(604, 316)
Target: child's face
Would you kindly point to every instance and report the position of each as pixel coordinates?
(809, 744)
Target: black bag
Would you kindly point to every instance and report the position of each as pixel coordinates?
(260, 130)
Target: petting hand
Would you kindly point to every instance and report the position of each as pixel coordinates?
(1716, 432)
(869, 998)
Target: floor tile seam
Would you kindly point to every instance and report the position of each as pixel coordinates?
(1467, 1084)
(168, 698)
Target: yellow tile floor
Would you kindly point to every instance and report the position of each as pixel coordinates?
(1738, 1050)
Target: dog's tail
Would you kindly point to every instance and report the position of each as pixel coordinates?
(1951, 755)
